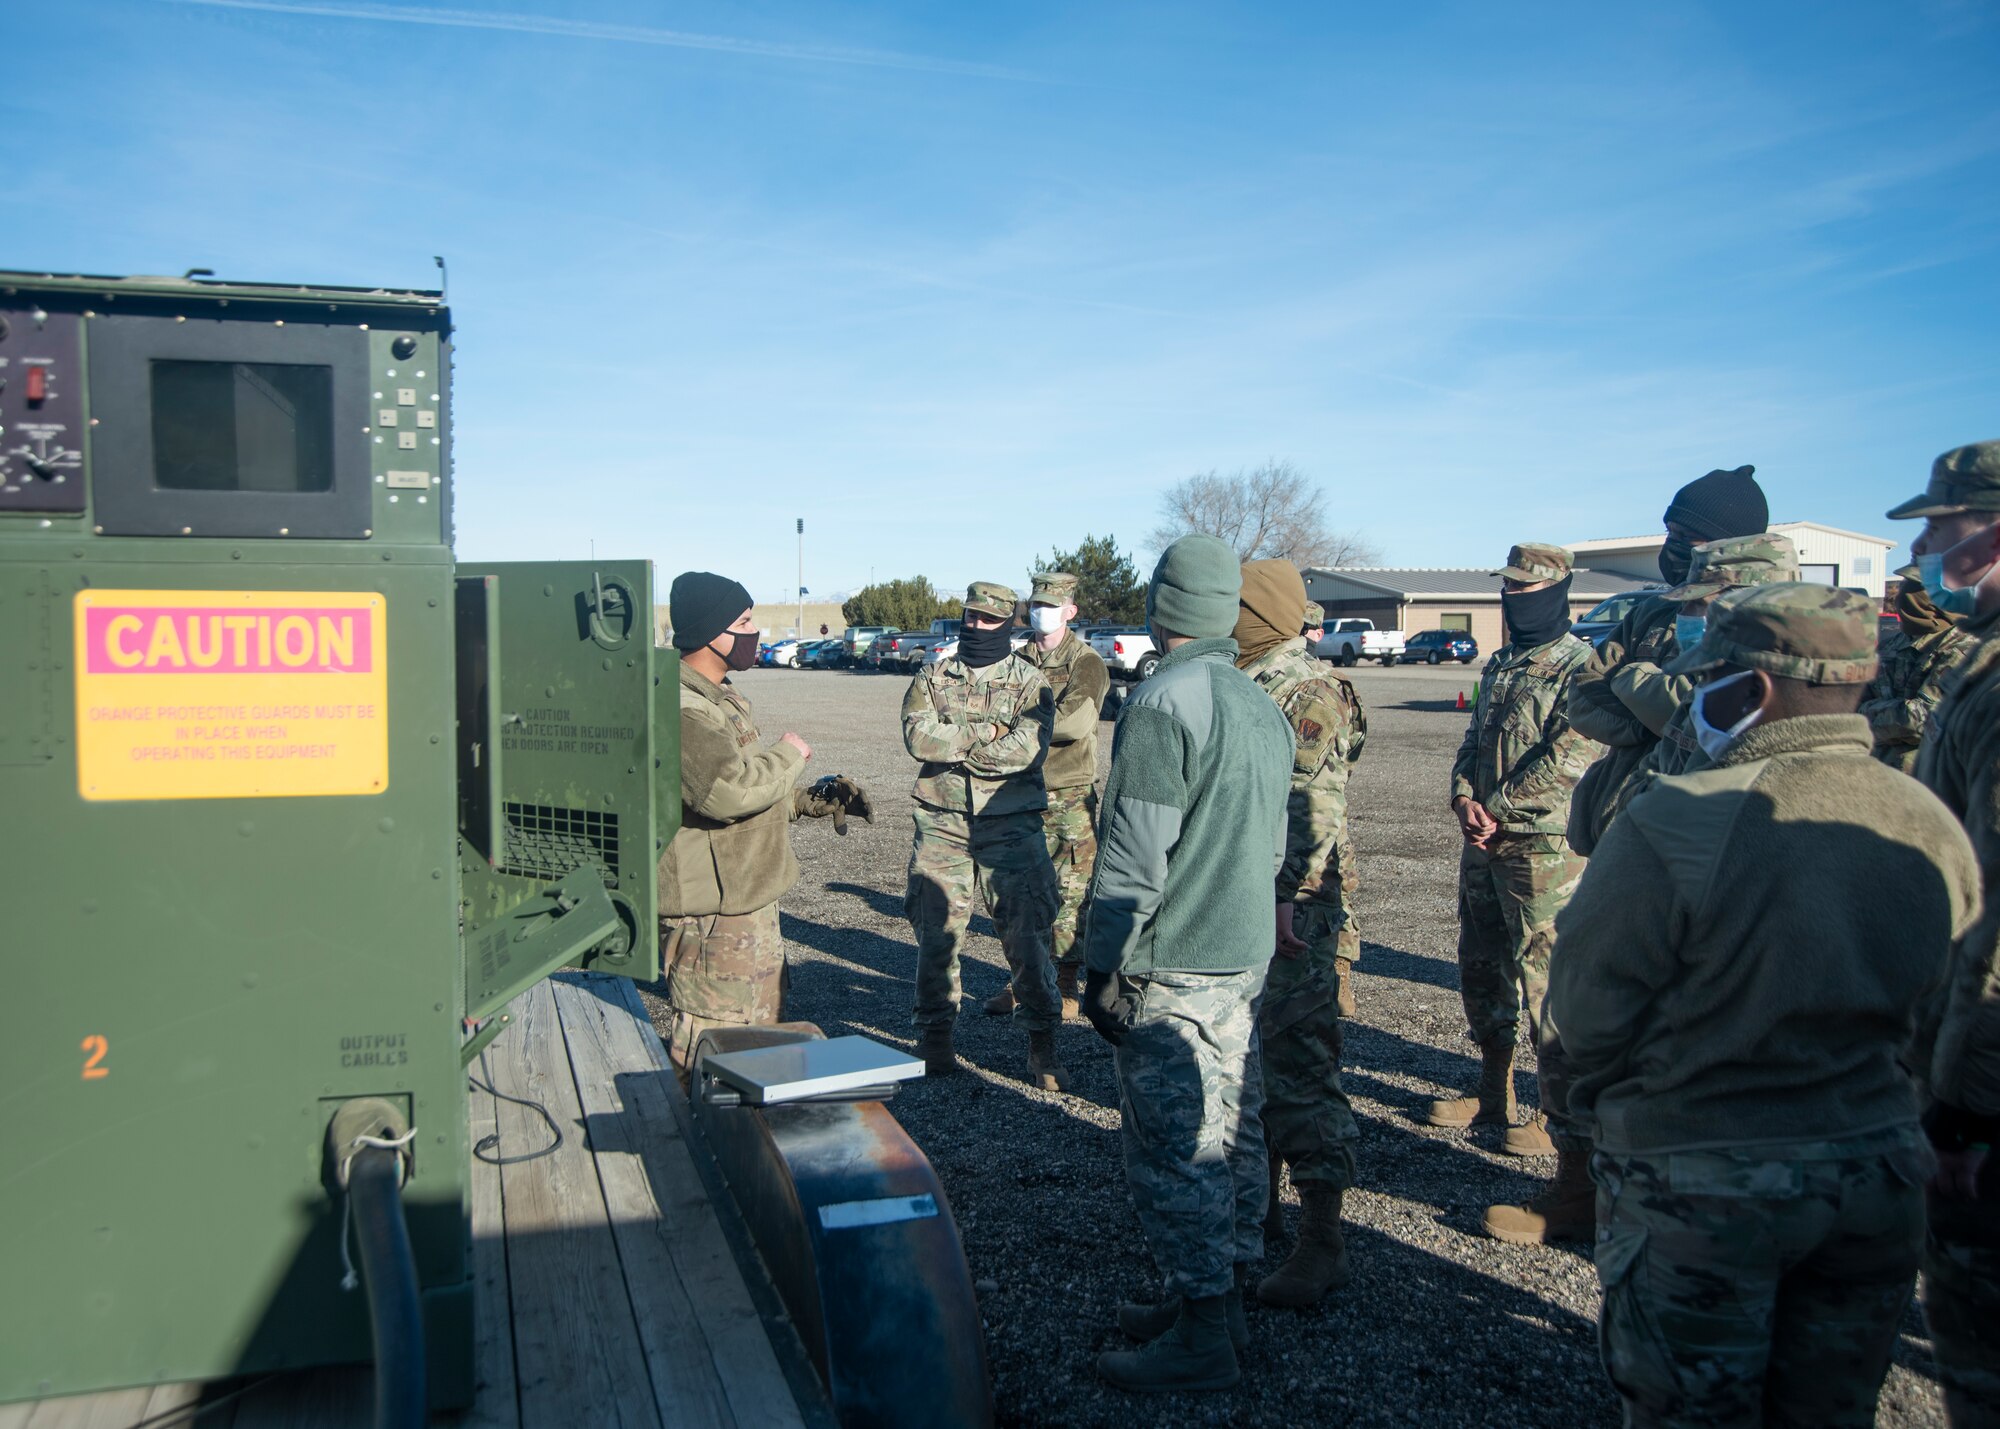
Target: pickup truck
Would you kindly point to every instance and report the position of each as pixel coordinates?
(937, 650)
(1348, 641)
(907, 650)
(1126, 650)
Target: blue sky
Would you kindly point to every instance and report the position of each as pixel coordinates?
(958, 283)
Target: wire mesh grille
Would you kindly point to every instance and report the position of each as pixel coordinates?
(544, 841)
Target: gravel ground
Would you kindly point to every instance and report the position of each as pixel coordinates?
(1440, 1324)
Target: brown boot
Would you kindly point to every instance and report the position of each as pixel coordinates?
(934, 1046)
(1274, 1213)
(1319, 1262)
(1045, 1072)
(1001, 1003)
(1566, 1209)
(1066, 989)
(1492, 1104)
(1531, 1138)
(1344, 998)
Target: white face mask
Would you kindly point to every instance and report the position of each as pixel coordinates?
(1046, 619)
(1712, 740)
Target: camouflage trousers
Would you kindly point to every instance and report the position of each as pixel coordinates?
(1763, 1286)
(1508, 896)
(721, 969)
(1069, 827)
(1002, 858)
(1348, 934)
(1308, 1121)
(1962, 1302)
(1190, 1090)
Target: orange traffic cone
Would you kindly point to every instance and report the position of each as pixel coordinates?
(1461, 699)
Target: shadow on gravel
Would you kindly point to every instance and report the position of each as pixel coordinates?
(1378, 960)
(890, 905)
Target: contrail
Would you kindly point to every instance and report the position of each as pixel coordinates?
(628, 34)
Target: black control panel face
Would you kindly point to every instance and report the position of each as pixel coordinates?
(41, 410)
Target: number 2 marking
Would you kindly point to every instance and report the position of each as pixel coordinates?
(93, 1066)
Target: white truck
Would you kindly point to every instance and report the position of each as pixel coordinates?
(1349, 641)
(1127, 651)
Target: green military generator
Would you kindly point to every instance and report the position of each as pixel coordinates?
(294, 805)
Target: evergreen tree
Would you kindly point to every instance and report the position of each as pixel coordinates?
(1108, 589)
(910, 603)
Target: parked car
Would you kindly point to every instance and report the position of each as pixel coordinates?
(1434, 647)
(855, 641)
(1126, 650)
(1603, 618)
(1350, 640)
(886, 652)
(784, 653)
(822, 655)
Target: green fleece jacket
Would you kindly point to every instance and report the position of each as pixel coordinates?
(1192, 830)
(1751, 946)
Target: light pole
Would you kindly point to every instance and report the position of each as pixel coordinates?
(800, 629)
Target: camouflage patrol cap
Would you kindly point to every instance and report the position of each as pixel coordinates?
(1819, 634)
(1738, 561)
(1315, 615)
(1052, 588)
(1909, 572)
(991, 598)
(1963, 479)
(1533, 561)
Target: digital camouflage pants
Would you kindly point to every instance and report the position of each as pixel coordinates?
(1069, 827)
(1189, 1091)
(1002, 858)
(1962, 1303)
(1761, 1289)
(1508, 896)
(1307, 1118)
(721, 969)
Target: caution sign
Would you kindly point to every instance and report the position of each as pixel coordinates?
(231, 694)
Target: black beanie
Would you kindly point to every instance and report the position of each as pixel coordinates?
(1721, 505)
(702, 605)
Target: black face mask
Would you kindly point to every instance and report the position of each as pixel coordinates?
(742, 649)
(980, 648)
(1676, 559)
(1535, 617)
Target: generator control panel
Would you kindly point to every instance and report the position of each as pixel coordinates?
(41, 409)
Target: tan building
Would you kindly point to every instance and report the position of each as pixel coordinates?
(776, 622)
(1412, 599)
(1827, 555)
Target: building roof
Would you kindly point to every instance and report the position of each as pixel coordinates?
(1654, 539)
(1437, 583)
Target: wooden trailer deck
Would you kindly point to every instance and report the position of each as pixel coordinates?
(607, 1291)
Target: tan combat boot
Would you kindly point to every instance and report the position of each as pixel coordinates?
(1566, 1210)
(1531, 1138)
(1194, 1353)
(1148, 1322)
(1319, 1262)
(934, 1046)
(1072, 1006)
(1274, 1213)
(1492, 1104)
(1045, 1071)
(1001, 1003)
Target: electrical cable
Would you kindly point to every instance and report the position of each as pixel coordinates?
(188, 1413)
(492, 1142)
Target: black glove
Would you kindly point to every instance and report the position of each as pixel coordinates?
(1109, 1011)
(835, 795)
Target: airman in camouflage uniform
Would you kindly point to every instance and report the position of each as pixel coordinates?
(1510, 789)
(731, 859)
(1308, 1121)
(1957, 1050)
(1759, 1164)
(1918, 659)
(1077, 675)
(1347, 950)
(980, 725)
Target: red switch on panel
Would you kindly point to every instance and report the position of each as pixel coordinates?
(38, 384)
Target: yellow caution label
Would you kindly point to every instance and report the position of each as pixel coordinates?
(231, 694)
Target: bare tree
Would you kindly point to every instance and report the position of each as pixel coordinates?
(1266, 512)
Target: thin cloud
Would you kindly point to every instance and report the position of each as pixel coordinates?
(621, 34)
